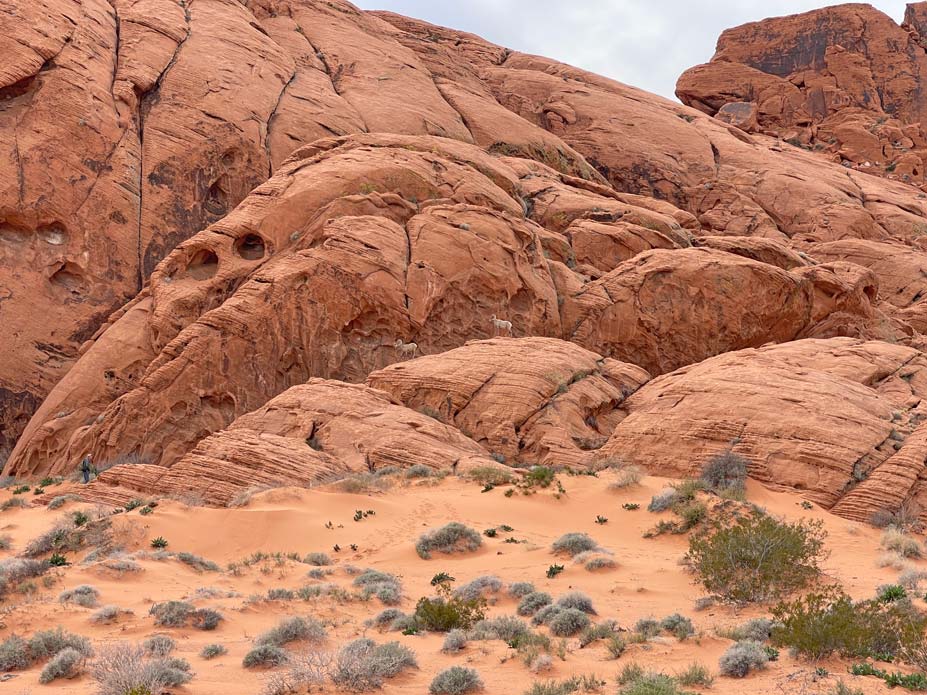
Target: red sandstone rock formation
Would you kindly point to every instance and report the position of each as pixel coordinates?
(410, 183)
(844, 80)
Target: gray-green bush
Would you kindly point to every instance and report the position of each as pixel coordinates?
(450, 538)
(455, 680)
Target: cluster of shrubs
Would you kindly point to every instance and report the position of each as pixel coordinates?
(634, 680)
(678, 625)
(65, 653)
(268, 646)
(124, 668)
(386, 587)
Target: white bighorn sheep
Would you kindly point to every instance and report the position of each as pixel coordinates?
(405, 349)
(500, 325)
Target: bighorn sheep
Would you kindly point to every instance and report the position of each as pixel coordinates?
(405, 349)
(501, 325)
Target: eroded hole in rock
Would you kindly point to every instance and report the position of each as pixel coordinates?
(203, 264)
(70, 277)
(13, 233)
(217, 197)
(54, 234)
(250, 247)
(871, 292)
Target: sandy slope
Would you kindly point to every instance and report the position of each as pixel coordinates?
(647, 582)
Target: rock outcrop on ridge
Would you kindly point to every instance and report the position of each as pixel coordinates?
(402, 244)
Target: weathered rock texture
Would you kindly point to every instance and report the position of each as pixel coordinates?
(313, 433)
(344, 191)
(839, 419)
(842, 80)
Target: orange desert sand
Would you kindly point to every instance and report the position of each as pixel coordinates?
(648, 580)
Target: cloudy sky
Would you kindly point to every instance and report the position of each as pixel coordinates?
(646, 43)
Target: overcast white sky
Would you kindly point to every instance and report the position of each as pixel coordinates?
(646, 43)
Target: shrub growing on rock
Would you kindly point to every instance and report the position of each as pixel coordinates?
(756, 557)
(450, 538)
(725, 473)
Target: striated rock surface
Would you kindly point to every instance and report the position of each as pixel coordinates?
(527, 400)
(839, 419)
(313, 433)
(844, 80)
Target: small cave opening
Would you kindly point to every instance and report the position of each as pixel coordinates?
(871, 292)
(250, 247)
(13, 233)
(217, 197)
(203, 264)
(70, 277)
(54, 234)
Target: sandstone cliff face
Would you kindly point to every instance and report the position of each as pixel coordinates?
(504, 249)
(843, 80)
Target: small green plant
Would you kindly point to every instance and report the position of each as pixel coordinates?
(146, 510)
(22, 489)
(601, 519)
(79, 518)
(631, 506)
(159, 543)
(891, 593)
(58, 560)
(695, 674)
(448, 611)
(554, 570)
(441, 578)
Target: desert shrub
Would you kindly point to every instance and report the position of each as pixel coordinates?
(171, 613)
(573, 544)
(13, 503)
(211, 651)
(663, 500)
(67, 663)
(198, 563)
(280, 594)
(821, 623)
(47, 643)
(318, 559)
(106, 615)
(383, 585)
(450, 538)
(743, 657)
(533, 602)
(419, 470)
(363, 664)
(757, 557)
(304, 672)
(604, 630)
(61, 537)
(159, 645)
(83, 595)
(318, 573)
(599, 562)
(541, 664)
(293, 629)
(695, 674)
(756, 629)
(264, 655)
(454, 641)
(567, 622)
(891, 592)
(61, 500)
(573, 684)
(647, 627)
(520, 589)
(123, 669)
(911, 578)
(725, 473)
(455, 680)
(898, 541)
(385, 618)
(205, 619)
(365, 483)
(626, 477)
(121, 565)
(489, 475)
(649, 684)
(14, 654)
(507, 628)
(479, 587)
(679, 625)
(577, 600)
(447, 612)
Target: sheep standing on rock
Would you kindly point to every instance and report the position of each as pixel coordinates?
(499, 325)
(405, 349)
